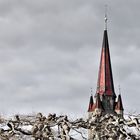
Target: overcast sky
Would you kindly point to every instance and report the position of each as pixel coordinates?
(50, 53)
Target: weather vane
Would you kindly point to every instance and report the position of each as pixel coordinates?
(105, 17)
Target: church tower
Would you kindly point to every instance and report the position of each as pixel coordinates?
(105, 84)
(105, 97)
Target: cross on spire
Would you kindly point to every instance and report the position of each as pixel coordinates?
(106, 19)
(119, 89)
(91, 90)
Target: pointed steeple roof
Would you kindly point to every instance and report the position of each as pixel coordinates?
(119, 105)
(91, 103)
(98, 103)
(105, 83)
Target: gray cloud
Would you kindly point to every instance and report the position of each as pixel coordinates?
(50, 51)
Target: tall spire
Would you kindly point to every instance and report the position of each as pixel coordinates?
(105, 83)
